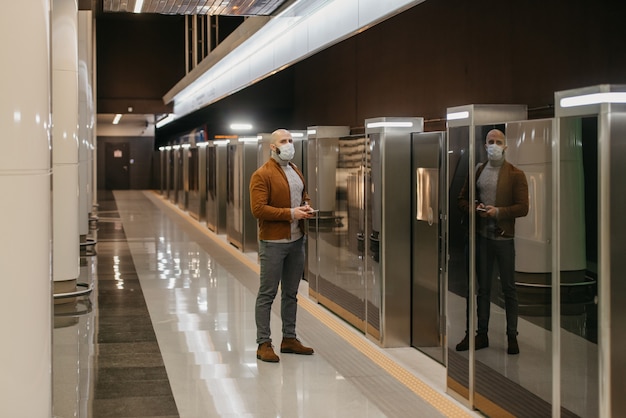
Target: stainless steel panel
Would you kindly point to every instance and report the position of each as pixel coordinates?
(216, 187)
(183, 201)
(162, 172)
(241, 226)
(169, 171)
(428, 254)
(201, 174)
(176, 174)
(389, 290)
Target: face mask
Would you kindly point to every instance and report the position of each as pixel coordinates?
(286, 152)
(494, 152)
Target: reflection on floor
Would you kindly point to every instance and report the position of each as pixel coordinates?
(169, 331)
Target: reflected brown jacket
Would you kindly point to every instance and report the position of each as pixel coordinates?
(270, 200)
(511, 197)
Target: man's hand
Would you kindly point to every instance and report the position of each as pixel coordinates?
(303, 212)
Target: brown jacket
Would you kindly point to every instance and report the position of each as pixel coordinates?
(270, 200)
(511, 197)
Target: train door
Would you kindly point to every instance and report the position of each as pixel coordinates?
(427, 240)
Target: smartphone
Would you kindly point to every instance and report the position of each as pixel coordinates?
(313, 210)
(481, 209)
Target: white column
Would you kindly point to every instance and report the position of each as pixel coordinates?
(66, 242)
(85, 118)
(25, 210)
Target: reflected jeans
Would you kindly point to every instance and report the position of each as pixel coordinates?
(280, 263)
(488, 253)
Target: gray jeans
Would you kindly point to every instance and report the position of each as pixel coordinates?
(281, 263)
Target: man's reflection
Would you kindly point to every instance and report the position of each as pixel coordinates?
(501, 196)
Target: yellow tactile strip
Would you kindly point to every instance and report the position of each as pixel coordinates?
(444, 405)
(434, 398)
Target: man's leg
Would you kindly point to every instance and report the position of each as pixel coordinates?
(293, 267)
(506, 262)
(271, 262)
(485, 259)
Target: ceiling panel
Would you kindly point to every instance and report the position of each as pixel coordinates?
(196, 7)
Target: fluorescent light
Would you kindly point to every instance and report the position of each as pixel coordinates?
(138, 5)
(390, 125)
(168, 148)
(186, 146)
(311, 132)
(458, 115)
(117, 118)
(248, 139)
(240, 126)
(161, 148)
(169, 118)
(297, 134)
(222, 142)
(593, 98)
(201, 144)
(176, 147)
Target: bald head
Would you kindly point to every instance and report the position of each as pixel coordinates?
(279, 136)
(496, 136)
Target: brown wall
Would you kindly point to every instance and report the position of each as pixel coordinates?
(439, 54)
(445, 53)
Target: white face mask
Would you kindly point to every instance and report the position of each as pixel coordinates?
(494, 152)
(286, 152)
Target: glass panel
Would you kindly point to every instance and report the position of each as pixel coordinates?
(579, 256)
(507, 382)
(312, 265)
(338, 189)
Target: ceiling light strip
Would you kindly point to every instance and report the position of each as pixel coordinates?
(301, 30)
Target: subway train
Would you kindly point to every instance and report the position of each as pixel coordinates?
(391, 253)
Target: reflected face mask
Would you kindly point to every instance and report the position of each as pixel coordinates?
(494, 152)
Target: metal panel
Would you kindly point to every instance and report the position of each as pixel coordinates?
(183, 197)
(427, 252)
(216, 187)
(241, 226)
(202, 182)
(389, 290)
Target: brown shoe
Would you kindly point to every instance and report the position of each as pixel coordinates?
(265, 352)
(293, 345)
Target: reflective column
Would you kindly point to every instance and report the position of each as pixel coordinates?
(65, 213)
(25, 224)
(86, 117)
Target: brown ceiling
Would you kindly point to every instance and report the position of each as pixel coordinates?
(140, 56)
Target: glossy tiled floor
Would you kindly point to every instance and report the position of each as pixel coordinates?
(169, 331)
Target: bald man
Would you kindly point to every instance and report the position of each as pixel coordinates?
(501, 197)
(279, 201)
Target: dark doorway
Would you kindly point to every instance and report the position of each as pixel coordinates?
(116, 166)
